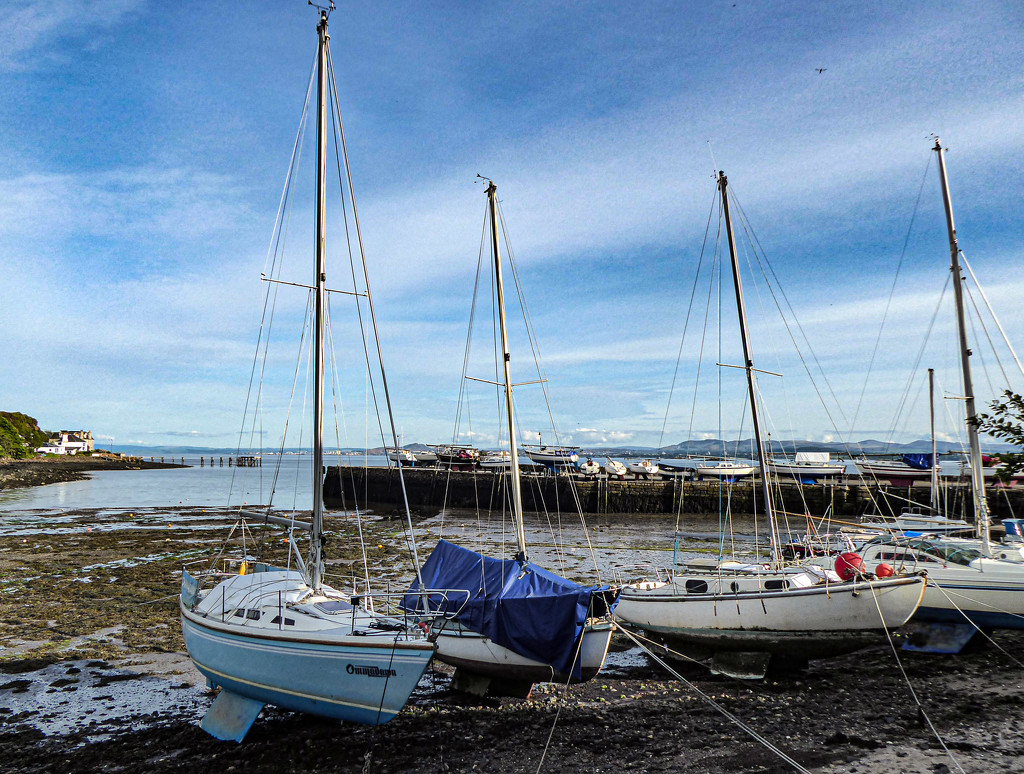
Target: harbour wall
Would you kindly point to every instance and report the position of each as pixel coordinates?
(430, 489)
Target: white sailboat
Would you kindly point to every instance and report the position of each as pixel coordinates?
(807, 465)
(401, 456)
(515, 624)
(727, 469)
(969, 582)
(643, 468)
(614, 468)
(267, 635)
(745, 616)
(554, 457)
(496, 461)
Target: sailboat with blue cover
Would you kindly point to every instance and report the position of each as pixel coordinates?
(282, 636)
(506, 624)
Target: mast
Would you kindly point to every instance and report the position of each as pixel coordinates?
(748, 367)
(935, 456)
(517, 496)
(981, 520)
(314, 565)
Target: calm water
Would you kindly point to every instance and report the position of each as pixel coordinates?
(196, 486)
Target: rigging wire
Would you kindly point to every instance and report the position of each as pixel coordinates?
(336, 111)
(991, 311)
(892, 292)
(272, 268)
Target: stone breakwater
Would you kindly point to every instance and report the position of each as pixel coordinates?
(15, 474)
(430, 489)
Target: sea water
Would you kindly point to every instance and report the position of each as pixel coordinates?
(285, 481)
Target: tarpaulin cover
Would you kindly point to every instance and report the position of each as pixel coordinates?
(918, 461)
(522, 607)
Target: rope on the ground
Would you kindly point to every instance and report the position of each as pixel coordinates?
(910, 687)
(719, 708)
(565, 691)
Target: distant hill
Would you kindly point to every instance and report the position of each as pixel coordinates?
(745, 448)
(20, 435)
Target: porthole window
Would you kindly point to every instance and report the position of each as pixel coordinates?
(696, 586)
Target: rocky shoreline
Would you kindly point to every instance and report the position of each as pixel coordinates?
(15, 474)
(94, 677)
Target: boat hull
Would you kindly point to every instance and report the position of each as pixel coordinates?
(725, 471)
(984, 600)
(480, 655)
(344, 678)
(815, 622)
(806, 471)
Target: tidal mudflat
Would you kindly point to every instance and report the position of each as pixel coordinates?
(93, 674)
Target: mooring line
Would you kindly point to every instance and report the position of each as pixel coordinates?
(910, 687)
(722, 710)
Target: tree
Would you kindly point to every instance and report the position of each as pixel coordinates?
(1006, 422)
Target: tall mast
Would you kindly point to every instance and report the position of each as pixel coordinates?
(748, 367)
(517, 496)
(935, 456)
(981, 520)
(314, 565)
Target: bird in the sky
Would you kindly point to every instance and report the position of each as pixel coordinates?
(820, 69)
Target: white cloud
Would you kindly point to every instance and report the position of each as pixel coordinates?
(29, 28)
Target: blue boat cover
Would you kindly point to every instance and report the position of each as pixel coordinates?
(521, 606)
(918, 461)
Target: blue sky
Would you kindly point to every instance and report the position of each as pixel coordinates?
(144, 147)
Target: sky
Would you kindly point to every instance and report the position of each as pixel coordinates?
(144, 148)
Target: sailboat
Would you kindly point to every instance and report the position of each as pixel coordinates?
(746, 616)
(552, 457)
(269, 635)
(969, 583)
(508, 623)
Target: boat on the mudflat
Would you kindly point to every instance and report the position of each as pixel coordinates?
(282, 636)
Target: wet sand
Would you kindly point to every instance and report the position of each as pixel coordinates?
(93, 676)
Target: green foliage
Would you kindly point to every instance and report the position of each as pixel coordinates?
(1006, 422)
(27, 428)
(11, 443)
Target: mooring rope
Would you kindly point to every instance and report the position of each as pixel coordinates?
(910, 687)
(717, 707)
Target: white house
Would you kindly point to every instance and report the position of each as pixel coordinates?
(68, 442)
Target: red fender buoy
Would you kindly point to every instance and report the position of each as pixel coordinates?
(849, 565)
(884, 570)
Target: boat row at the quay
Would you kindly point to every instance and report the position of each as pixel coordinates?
(430, 489)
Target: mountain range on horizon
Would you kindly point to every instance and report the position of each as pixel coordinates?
(715, 447)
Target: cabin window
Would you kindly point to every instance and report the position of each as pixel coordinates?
(238, 613)
(776, 585)
(253, 615)
(734, 586)
(696, 586)
(287, 621)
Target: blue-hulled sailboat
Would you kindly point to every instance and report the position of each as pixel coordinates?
(267, 635)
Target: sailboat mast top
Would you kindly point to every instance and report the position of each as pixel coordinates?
(748, 367)
(981, 518)
(517, 495)
(320, 293)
